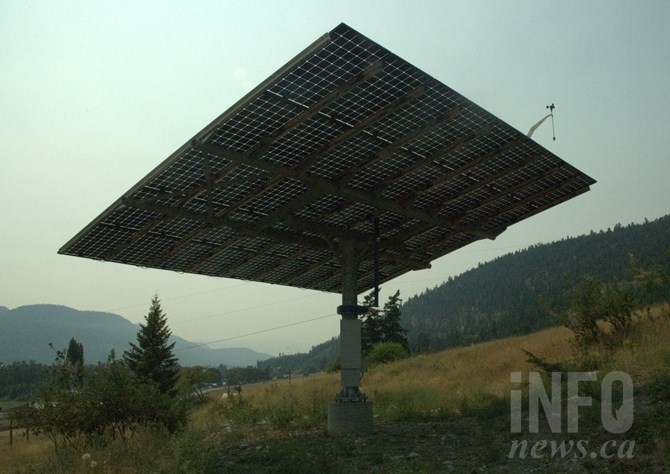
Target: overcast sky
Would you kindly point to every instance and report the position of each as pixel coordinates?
(94, 95)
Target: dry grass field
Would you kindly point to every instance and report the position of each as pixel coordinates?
(441, 412)
(441, 381)
(22, 452)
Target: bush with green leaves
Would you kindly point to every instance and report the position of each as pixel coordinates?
(385, 352)
(655, 281)
(104, 402)
(333, 366)
(193, 380)
(594, 301)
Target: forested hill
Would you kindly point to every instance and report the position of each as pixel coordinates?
(506, 296)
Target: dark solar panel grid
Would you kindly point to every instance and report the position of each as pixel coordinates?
(309, 138)
(351, 215)
(276, 196)
(345, 133)
(243, 215)
(188, 255)
(342, 158)
(371, 96)
(243, 130)
(146, 248)
(321, 206)
(177, 226)
(379, 170)
(100, 240)
(218, 235)
(186, 172)
(129, 218)
(232, 193)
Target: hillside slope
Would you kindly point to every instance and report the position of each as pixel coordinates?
(315, 360)
(506, 296)
(449, 411)
(25, 334)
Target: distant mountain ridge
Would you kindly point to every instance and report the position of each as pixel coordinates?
(508, 295)
(26, 331)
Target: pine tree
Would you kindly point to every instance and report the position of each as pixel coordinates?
(152, 357)
(391, 329)
(370, 325)
(75, 353)
(74, 359)
(382, 326)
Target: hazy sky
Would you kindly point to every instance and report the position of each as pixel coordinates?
(95, 94)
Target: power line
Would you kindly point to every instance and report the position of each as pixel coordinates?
(249, 308)
(181, 297)
(256, 332)
(261, 306)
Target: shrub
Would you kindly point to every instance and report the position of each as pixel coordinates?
(385, 352)
(594, 301)
(110, 402)
(483, 405)
(333, 366)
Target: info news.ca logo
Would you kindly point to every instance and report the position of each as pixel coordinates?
(616, 417)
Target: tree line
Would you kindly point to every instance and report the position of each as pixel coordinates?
(22, 379)
(514, 294)
(315, 360)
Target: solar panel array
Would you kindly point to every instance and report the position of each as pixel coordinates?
(344, 134)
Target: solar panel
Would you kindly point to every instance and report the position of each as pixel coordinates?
(345, 133)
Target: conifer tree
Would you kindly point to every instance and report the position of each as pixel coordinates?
(74, 359)
(392, 330)
(152, 357)
(370, 325)
(75, 353)
(382, 326)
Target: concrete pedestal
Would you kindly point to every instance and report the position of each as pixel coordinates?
(350, 417)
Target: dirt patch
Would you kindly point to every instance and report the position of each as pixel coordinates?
(458, 445)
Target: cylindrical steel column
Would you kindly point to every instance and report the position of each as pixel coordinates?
(350, 412)
(350, 326)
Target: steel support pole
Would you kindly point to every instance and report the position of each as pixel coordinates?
(350, 327)
(350, 412)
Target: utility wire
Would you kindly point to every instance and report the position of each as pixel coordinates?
(255, 307)
(249, 308)
(256, 332)
(180, 297)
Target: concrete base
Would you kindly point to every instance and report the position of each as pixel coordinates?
(350, 418)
